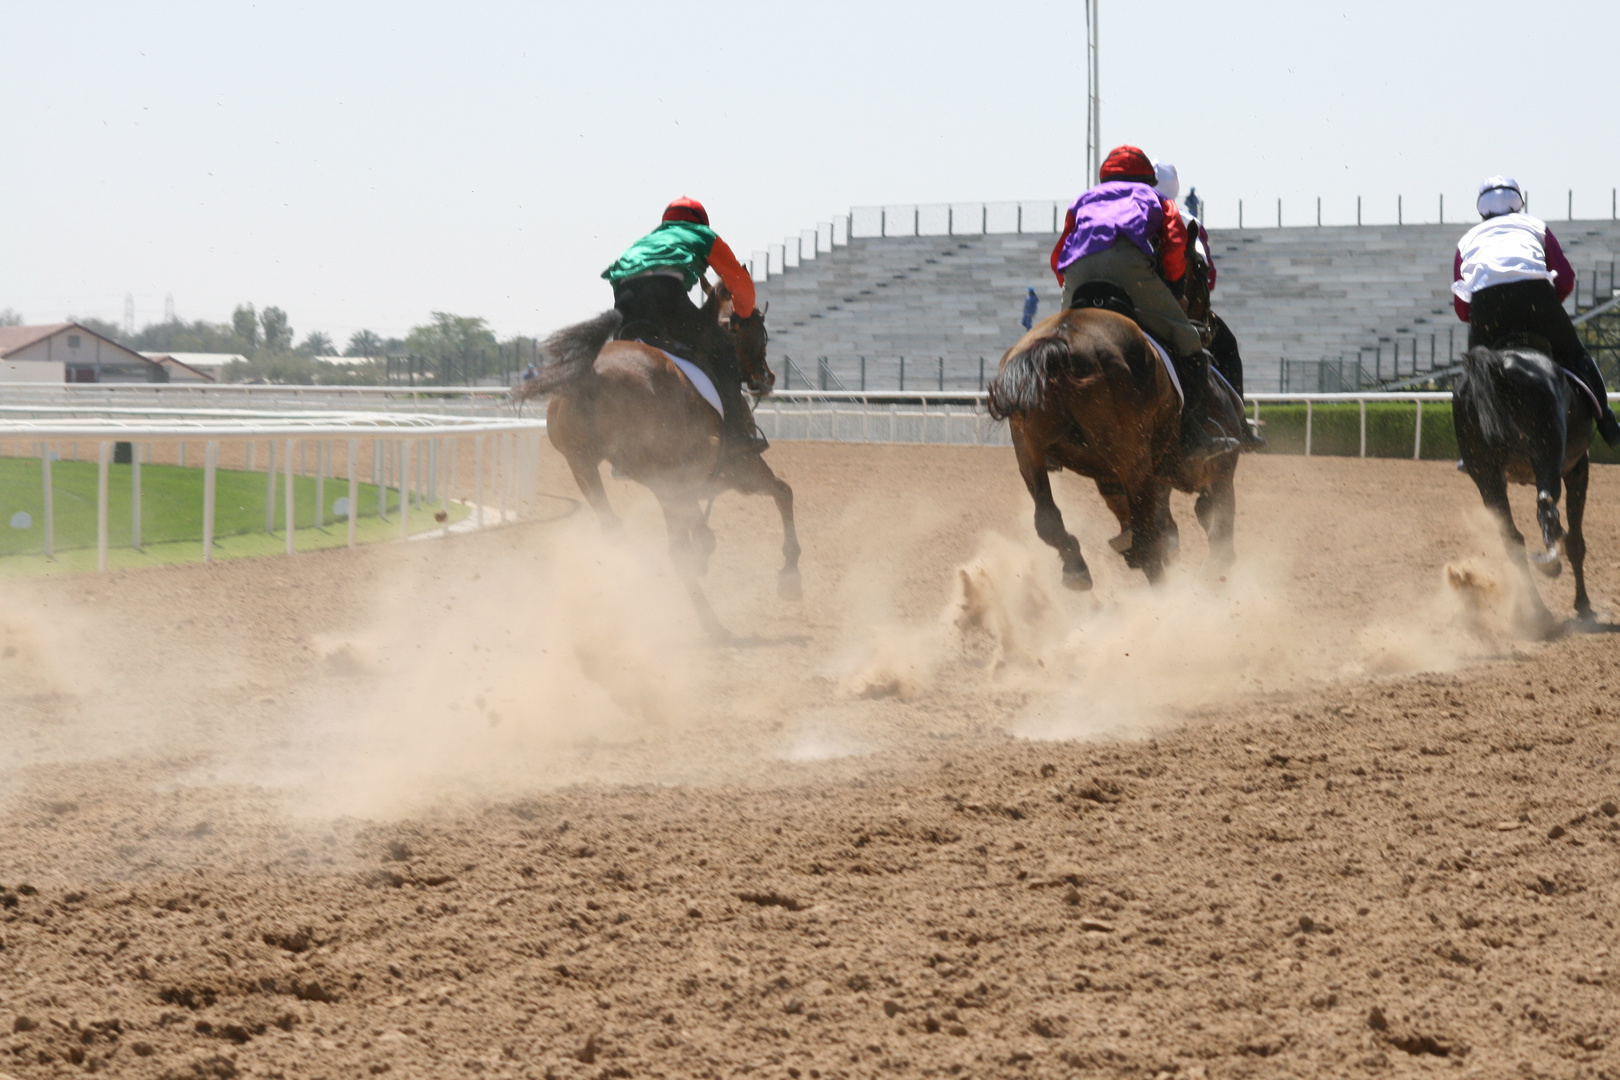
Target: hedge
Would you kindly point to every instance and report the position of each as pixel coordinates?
(1336, 431)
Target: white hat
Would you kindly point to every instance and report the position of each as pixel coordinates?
(1499, 195)
(1165, 180)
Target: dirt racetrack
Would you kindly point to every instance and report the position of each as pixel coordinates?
(486, 807)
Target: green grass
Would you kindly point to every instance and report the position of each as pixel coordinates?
(172, 515)
(1336, 431)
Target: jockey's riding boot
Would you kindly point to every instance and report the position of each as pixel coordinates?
(1586, 370)
(1196, 442)
(1249, 435)
(738, 434)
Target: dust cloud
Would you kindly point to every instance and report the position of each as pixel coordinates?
(1128, 659)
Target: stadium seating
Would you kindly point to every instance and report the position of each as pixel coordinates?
(1300, 293)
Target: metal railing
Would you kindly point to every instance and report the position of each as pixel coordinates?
(412, 454)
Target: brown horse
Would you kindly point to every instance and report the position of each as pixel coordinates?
(626, 403)
(1085, 391)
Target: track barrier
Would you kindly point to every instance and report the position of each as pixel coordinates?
(408, 462)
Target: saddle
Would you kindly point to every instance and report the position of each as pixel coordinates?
(1105, 295)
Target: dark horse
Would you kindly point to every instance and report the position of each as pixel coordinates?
(626, 403)
(1085, 390)
(1520, 418)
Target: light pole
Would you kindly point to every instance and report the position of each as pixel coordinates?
(1094, 152)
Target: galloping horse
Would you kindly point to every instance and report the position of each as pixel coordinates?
(627, 403)
(1084, 390)
(1520, 418)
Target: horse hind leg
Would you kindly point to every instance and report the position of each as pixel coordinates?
(1048, 519)
(1147, 548)
(1533, 614)
(1575, 540)
(588, 475)
(684, 522)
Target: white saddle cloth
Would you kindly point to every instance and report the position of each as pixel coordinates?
(700, 381)
(1164, 358)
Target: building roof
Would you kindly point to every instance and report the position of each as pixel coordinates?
(192, 359)
(172, 360)
(13, 338)
(16, 338)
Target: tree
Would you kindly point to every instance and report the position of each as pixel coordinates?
(317, 343)
(459, 347)
(9, 317)
(364, 343)
(178, 336)
(278, 333)
(246, 324)
(110, 331)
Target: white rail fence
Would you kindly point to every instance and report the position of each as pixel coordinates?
(443, 400)
(414, 456)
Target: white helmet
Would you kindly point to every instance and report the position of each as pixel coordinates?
(1499, 195)
(1166, 181)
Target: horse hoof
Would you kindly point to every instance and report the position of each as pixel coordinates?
(1078, 580)
(1549, 565)
(1122, 542)
(788, 587)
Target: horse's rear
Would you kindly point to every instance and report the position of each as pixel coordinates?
(627, 403)
(1084, 390)
(1519, 419)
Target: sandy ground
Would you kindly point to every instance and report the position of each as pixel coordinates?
(488, 806)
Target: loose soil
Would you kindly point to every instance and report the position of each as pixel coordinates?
(488, 806)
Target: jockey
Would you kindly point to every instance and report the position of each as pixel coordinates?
(1223, 345)
(1168, 183)
(1123, 232)
(650, 285)
(1510, 275)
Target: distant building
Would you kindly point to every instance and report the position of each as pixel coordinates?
(68, 352)
(194, 366)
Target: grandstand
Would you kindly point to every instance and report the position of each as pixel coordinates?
(1315, 308)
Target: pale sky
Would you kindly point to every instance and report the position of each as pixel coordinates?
(360, 165)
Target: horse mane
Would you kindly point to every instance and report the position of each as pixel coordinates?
(571, 353)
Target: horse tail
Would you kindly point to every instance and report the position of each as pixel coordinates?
(1483, 369)
(1025, 377)
(571, 352)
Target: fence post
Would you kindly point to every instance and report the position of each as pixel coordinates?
(1417, 433)
(1307, 427)
(1570, 212)
(105, 459)
(863, 373)
(1399, 218)
(287, 495)
(324, 447)
(1442, 208)
(1240, 213)
(950, 220)
(354, 488)
(1319, 211)
(1279, 213)
(210, 486)
(135, 495)
(404, 492)
(270, 494)
(478, 471)
(1358, 211)
(1363, 404)
(916, 221)
(941, 373)
(902, 373)
(984, 219)
(981, 374)
(50, 508)
(883, 228)
(1020, 230)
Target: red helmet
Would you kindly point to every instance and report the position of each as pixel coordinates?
(685, 209)
(1127, 163)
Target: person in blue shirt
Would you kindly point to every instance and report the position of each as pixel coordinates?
(1195, 205)
(1031, 303)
